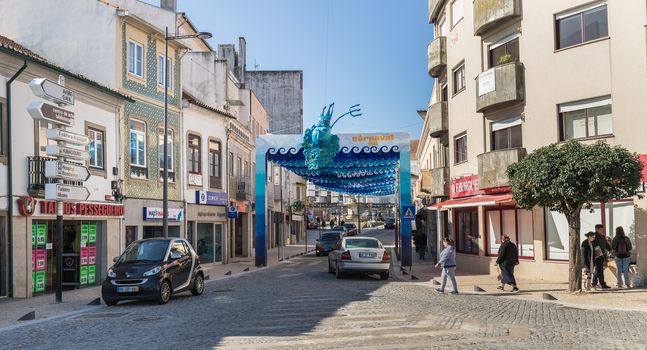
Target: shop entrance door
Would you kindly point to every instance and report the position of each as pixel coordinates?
(239, 234)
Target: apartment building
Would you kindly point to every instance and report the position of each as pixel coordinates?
(512, 76)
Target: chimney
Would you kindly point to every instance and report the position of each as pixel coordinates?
(242, 60)
(170, 5)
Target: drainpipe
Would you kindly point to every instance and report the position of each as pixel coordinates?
(10, 183)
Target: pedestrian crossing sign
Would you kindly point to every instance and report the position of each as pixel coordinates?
(409, 212)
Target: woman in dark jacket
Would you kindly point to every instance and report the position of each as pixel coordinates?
(507, 259)
(621, 246)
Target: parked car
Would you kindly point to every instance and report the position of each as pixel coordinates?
(359, 255)
(153, 269)
(351, 229)
(327, 242)
(389, 223)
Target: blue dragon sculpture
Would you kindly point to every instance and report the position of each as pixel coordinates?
(320, 145)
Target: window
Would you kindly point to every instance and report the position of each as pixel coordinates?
(169, 158)
(214, 165)
(137, 148)
(194, 165)
(131, 234)
(246, 169)
(459, 78)
(460, 148)
(457, 11)
(230, 164)
(581, 26)
(443, 90)
(506, 133)
(467, 231)
(516, 223)
(160, 71)
(589, 118)
(505, 51)
(239, 167)
(135, 58)
(96, 147)
(442, 28)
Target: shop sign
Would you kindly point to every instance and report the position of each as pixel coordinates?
(155, 214)
(487, 82)
(83, 209)
(195, 179)
(211, 198)
(232, 212)
(465, 186)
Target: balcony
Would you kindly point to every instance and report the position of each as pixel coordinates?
(490, 13)
(500, 86)
(437, 119)
(493, 165)
(434, 181)
(277, 193)
(434, 9)
(37, 179)
(241, 187)
(437, 56)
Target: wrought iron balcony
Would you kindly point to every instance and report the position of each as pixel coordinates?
(241, 186)
(500, 86)
(37, 179)
(437, 119)
(493, 165)
(437, 56)
(435, 181)
(490, 13)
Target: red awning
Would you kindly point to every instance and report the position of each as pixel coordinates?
(475, 201)
(643, 158)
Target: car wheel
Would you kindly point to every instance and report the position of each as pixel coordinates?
(384, 275)
(110, 302)
(164, 293)
(338, 273)
(330, 269)
(198, 285)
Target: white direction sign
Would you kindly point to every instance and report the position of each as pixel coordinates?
(45, 111)
(67, 137)
(51, 91)
(66, 171)
(62, 192)
(67, 152)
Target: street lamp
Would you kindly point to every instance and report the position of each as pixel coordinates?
(199, 35)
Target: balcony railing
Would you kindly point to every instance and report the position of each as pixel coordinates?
(490, 13)
(243, 187)
(493, 165)
(500, 86)
(437, 119)
(437, 56)
(37, 179)
(434, 181)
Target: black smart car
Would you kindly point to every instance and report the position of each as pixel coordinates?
(153, 269)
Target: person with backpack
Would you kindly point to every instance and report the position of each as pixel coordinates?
(621, 246)
(507, 259)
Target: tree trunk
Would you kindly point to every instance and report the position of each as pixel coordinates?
(575, 259)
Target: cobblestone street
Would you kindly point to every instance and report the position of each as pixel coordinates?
(297, 305)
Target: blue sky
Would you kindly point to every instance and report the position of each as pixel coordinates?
(371, 52)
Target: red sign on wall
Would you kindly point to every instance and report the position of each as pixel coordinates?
(84, 209)
(465, 186)
(643, 158)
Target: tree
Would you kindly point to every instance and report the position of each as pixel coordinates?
(571, 176)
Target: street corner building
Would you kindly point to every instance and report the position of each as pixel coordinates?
(510, 77)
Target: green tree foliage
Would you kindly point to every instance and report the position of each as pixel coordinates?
(571, 176)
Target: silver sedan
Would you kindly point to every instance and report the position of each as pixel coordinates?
(359, 255)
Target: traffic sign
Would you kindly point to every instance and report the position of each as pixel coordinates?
(45, 111)
(67, 152)
(51, 91)
(232, 212)
(408, 212)
(66, 171)
(62, 192)
(68, 137)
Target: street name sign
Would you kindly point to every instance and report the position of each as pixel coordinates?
(67, 137)
(51, 91)
(67, 152)
(62, 192)
(66, 171)
(44, 111)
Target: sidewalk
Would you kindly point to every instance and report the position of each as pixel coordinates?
(76, 301)
(424, 273)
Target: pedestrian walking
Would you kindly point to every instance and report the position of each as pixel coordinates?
(621, 246)
(332, 223)
(506, 260)
(447, 261)
(421, 244)
(593, 259)
(605, 247)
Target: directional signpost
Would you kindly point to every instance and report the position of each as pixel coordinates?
(60, 169)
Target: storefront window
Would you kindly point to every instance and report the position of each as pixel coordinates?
(157, 231)
(209, 246)
(516, 223)
(131, 234)
(467, 231)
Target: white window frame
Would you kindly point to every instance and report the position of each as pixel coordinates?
(138, 134)
(584, 105)
(133, 63)
(459, 67)
(93, 139)
(160, 145)
(454, 20)
(160, 71)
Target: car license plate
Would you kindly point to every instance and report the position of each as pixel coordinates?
(367, 255)
(129, 289)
